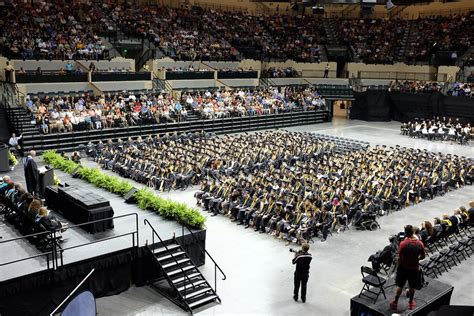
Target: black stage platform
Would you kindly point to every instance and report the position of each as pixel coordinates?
(116, 255)
(430, 298)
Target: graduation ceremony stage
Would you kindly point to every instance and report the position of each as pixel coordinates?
(118, 254)
(430, 298)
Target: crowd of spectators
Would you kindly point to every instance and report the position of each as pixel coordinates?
(54, 30)
(413, 86)
(179, 33)
(67, 113)
(274, 72)
(451, 33)
(51, 30)
(458, 89)
(252, 102)
(373, 41)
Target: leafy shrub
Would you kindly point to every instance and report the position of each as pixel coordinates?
(146, 199)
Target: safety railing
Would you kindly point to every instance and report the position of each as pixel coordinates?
(55, 254)
(155, 233)
(205, 252)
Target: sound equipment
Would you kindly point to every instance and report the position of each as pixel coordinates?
(74, 172)
(129, 196)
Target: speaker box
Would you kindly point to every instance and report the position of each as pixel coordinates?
(74, 172)
(129, 196)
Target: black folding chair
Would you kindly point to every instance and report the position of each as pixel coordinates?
(372, 281)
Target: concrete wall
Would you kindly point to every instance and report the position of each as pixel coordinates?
(239, 82)
(124, 85)
(54, 65)
(3, 64)
(34, 88)
(395, 71)
(192, 84)
(447, 73)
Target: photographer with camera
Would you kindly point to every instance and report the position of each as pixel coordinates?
(302, 260)
(410, 252)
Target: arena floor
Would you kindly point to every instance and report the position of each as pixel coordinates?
(258, 267)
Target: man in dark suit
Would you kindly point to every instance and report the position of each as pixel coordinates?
(31, 173)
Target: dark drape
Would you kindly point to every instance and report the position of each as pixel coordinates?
(40, 293)
(374, 105)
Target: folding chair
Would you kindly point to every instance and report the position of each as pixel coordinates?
(372, 280)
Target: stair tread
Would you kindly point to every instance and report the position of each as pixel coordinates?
(162, 249)
(174, 263)
(176, 254)
(204, 300)
(196, 292)
(176, 271)
(190, 283)
(181, 279)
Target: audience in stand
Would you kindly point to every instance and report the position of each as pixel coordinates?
(51, 30)
(66, 114)
(55, 30)
(451, 33)
(273, 72)
(412, 86)
(248, 103)
(438, 129)
(292, 185)
(458, 89)
(373, 41)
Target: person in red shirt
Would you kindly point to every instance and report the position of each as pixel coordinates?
(410, 252)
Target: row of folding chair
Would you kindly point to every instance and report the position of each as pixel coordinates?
(448, 257)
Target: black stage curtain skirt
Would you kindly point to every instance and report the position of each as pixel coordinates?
(39, 294)
(145, 269)
(375, 105)
(430, 298)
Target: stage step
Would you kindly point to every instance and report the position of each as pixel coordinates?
(175, 263)
(191, 290)
(175, 254)
(189, 284)
(163, 249)
(206, 299)
(191, 276)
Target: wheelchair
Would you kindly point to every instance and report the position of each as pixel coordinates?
(368, 222)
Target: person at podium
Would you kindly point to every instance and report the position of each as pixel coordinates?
(31, 173)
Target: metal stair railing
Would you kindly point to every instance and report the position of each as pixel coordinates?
(185, 276)
(205, 252)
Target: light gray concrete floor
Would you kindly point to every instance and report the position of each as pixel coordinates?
(258, 267)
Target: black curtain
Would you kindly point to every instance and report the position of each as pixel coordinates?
(374, 105)
(41, 293)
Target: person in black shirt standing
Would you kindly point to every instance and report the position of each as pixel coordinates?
(302, 260)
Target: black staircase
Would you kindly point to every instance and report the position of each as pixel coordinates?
(182, 282)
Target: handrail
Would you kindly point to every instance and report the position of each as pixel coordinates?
(216, 266)
(73, 291)
(154, 232)
(53, 234)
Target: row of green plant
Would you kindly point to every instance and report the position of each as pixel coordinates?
(146, 199)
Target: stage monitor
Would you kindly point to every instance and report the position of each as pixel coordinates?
(82, 305)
